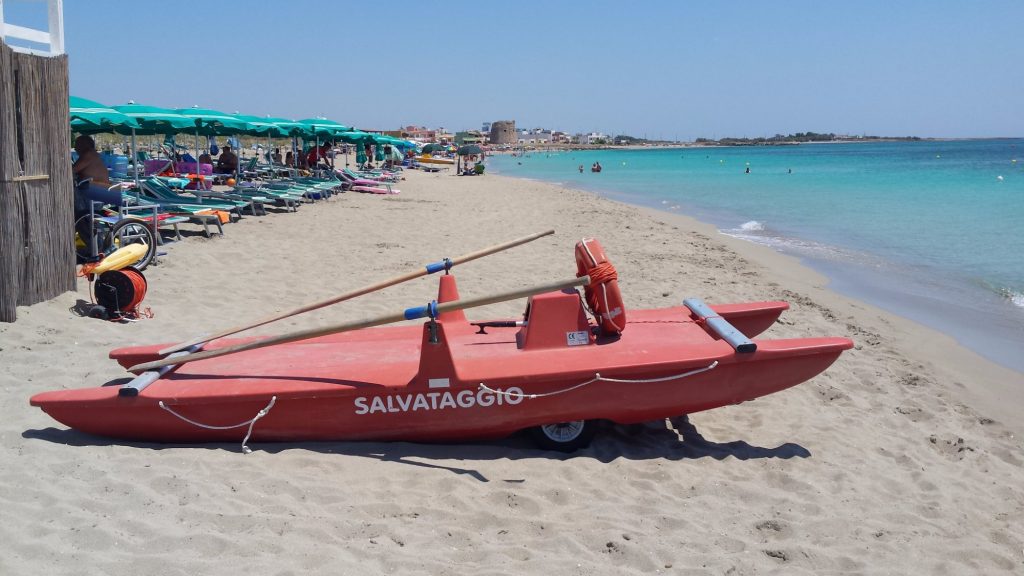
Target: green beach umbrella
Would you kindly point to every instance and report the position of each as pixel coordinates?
(257, 126)
(431, 148)
(324, 128)
(356, 137)
(470, 149)
(290, 127)
(400, 144)
(212, 122)
(396, 142)
(155, 120)
(90, 117)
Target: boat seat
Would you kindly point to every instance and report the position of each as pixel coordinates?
(556, 320)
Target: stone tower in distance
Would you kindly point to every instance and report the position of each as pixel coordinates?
(504, 132)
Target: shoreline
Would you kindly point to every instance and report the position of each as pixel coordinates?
(966, 311)
(892, 460)
(1003, 389)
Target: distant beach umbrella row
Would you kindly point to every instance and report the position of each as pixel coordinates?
(90, 117)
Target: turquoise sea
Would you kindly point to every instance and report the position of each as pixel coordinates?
(930, 230)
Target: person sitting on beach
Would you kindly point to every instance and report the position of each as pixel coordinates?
(276, 157)
(227, 163)
(90, 170)
(205, 158)
(89, 164)
(289, 159)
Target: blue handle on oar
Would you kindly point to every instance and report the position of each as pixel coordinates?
(430, 310)
(445, 264)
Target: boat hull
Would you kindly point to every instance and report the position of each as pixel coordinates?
(394, 383)
(433, 160)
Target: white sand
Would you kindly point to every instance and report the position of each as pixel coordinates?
(903, 458)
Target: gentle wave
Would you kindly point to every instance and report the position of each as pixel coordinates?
(1017, 298)
(759, 233)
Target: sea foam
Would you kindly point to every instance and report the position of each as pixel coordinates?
(1016, 297)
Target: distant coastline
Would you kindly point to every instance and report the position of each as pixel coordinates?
(561, 146)
(777, 140)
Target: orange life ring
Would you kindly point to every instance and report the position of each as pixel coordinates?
(602, 293)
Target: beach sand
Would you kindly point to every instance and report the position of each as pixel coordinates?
(903, 458)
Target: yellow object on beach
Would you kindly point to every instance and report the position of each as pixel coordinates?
(427, 159)
(121, 258)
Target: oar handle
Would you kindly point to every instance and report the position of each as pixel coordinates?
(430, 310)
(429, 269)
(499, 247)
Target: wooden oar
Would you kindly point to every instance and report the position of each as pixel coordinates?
(434, 309)
(429, 269)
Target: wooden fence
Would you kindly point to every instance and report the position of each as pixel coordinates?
(37, 259)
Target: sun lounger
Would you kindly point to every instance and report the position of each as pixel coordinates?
(158, 191)
(381, 188)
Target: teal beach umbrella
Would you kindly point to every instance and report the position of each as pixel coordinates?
(356, 137)
(324, 128)
(90, 117)
(155, 120)
(470, 149)
(213, 123)
(258, 126)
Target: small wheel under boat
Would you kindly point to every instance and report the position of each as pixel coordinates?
(565, 436)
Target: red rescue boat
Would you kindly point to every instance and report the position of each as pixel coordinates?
(553, 371)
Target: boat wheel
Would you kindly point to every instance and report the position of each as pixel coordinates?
(565, 436)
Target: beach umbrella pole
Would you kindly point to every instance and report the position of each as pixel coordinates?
(197, 159)
(135, 158)
(419, 272)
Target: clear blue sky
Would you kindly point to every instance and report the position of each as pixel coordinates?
(667, 69)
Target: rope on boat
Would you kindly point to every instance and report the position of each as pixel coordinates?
(250, 423)
(598, 378)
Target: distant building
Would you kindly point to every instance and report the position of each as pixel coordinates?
(535, 136)
(592, 138)
(486, 128)
(419, 133)
(470, 137)
(504, 132)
